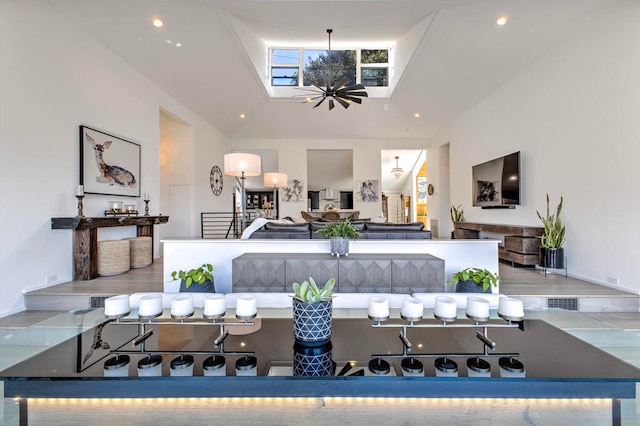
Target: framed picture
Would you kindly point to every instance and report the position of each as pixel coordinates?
(294, 191)
(367, 190)
(108, 164)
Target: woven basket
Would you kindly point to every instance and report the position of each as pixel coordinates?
(113, 257)
(140, 251)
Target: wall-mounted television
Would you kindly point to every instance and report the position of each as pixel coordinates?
(496, 183)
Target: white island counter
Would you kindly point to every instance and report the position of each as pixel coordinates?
(190, 253)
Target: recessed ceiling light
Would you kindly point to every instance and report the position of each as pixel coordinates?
(178, 44)
(168, 41)
(416, 115)
(242, 116)
(501, 20)
(157, 22)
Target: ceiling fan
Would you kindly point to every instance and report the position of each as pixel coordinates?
(342, 92)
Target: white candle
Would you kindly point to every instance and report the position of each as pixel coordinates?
(445, 307)
(477, 307)
(117, 305)
(510, 307)
(182, 305)
(378, 307)
(80, 190)
(246, 306)
(214, 305)
(150, 305)
(146, 196)
(411, 308)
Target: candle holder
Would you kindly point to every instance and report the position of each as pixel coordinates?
(146, 207)
(80, 213)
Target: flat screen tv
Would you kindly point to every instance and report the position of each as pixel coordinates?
(496, 183)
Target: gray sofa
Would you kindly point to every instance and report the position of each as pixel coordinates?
(368, 231)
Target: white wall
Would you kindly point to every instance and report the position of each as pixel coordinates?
(366, 162)
(53, 77)
(574, 117)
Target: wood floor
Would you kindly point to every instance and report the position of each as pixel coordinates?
(528, 284)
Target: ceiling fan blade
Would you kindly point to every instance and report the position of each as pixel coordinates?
(352, 99)
(327, 82)
(341, 83)
(306, 101)
(361, 94)
(342, 102)
(355, 87)
(321, 101)
(331, 104)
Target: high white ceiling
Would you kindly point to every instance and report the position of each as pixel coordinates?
(459, 56)
(462, 57)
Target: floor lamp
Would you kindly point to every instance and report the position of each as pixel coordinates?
(276, 180)
(242, 165)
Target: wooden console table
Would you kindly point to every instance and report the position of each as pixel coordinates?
(85, 238)
(521, 243)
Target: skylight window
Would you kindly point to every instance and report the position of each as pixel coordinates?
(369, 67)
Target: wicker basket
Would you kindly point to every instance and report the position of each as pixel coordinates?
(113, 257)
(140, 251)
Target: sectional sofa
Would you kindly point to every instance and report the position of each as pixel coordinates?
(368, 230)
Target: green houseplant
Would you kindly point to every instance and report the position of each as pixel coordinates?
(312, 312)
(340, 233)
(203, 276)
(457, 215)
(551, 250)
(471, 280)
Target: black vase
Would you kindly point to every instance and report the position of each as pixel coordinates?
(206, 287)
(551, 257)
(470, 286)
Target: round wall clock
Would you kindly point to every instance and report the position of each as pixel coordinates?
(215, 179)
(430, 189)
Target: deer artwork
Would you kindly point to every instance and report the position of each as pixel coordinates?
(110, 174)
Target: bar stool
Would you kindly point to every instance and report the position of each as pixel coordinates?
(113, 257)
(140, 251)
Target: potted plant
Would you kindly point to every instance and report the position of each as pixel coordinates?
(312, 311)
(340, 233)
(474, 280)
(457, 215)
(202, 276)
(551, 250)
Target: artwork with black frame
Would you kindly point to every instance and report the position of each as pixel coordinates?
(109, 165)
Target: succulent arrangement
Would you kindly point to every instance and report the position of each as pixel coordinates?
(197, 275)
(309, 292)
(554, 229)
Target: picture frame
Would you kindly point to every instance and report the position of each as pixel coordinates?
(368, 190)
(109, 165)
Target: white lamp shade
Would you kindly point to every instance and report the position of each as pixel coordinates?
(275, 180)
(238, 163)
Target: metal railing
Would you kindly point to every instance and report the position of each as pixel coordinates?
(221, 225)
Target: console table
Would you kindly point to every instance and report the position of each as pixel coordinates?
(356, 273)
(521, 243)
(85, 238)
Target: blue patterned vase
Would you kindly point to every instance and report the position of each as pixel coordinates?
(312, 322)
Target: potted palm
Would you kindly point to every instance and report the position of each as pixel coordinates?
(202, 276)
(340, 233)
(457, 215)
(474, 280)
(312, 312)
(551, 253)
